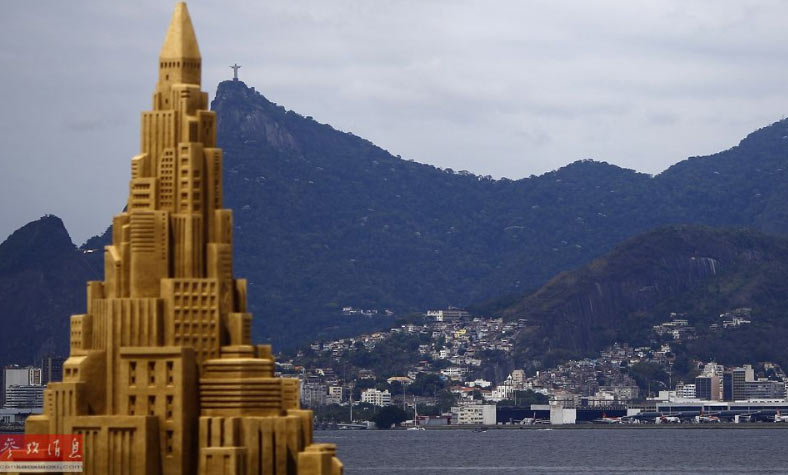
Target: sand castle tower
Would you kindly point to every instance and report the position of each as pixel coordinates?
(163, 377)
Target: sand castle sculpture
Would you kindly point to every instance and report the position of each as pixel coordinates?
(163, 377)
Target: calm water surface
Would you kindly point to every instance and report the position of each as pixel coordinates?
(641, 451)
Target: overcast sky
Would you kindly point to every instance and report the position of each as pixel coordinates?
(505, 88)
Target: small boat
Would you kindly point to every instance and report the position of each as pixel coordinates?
(416, 425)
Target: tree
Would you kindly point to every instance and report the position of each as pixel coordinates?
(446, 400)
(389, 416)
(648, 376)
(360, 385)
(526, 398)
(426, 384)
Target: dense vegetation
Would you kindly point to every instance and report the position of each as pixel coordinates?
(697, 271)
(325, 219)
(42, 282)
(389, 416)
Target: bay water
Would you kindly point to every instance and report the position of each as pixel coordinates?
(587, 451)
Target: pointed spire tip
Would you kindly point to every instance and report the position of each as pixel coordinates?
(180, 42)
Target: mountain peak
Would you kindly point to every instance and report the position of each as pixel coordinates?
(34, 244)
(233, 88)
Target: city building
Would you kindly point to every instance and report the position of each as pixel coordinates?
(51, 369)
(376, 397)
(707, 388)
(712, 406)
(478, 414)
(685, 391)
(11, 416)
(735, 383)
(764, 389)
(15, 375)
(727, 386)
(448, 315)
(518, 377)
(24, 396)
(162, 376)
(335, 395)
(313, 394)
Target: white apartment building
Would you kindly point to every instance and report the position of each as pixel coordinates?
(686, 391)
(376, 398)
(475, 414)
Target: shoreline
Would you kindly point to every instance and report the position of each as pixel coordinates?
(715, 425)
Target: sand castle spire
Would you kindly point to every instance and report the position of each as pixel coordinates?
(180, 42)
(163, 377)
(180, 61)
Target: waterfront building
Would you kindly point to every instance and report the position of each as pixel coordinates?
(15, 375)
(162, 377)
(442, 420)
(16, 416)
(477, 414)
(313, 394)
(376, 397)
(24, 396)
(735, 383)
(764, 389)
(707, 387)
(712, 406)
(560, 414)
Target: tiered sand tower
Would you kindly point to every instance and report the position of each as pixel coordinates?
(163, 377)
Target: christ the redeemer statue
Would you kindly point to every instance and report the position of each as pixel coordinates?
(235, 68)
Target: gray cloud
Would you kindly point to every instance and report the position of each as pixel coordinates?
(507, 88)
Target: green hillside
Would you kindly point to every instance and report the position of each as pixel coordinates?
(700, 272)
(325, 219)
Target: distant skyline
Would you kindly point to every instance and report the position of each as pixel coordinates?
(506, 88)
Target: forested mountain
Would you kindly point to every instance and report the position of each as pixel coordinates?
(699, 272)
(42, 282)
(325, 219)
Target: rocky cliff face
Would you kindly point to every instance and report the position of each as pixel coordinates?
(248, 118)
